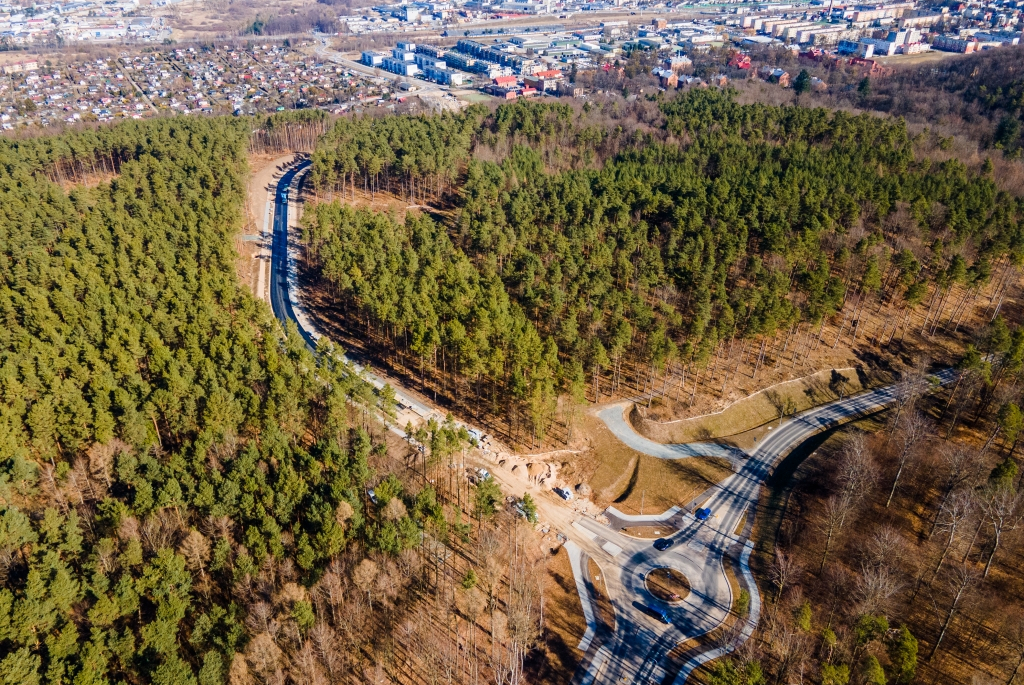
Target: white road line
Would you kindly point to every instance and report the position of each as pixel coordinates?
(612, 548)
(649, 518)
(748, 629)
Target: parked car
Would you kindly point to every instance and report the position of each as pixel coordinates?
(564, 493)
(661, 544)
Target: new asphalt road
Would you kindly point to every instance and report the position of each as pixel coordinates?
(279, 300)
(637, 650)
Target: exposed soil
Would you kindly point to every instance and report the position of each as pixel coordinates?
(648, 532)
(667, 584)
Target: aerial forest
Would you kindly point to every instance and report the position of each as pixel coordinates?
(183, 484)
(190, 495)
(565, 256)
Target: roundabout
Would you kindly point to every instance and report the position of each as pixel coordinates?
(667, 584)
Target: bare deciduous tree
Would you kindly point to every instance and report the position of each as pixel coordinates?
(856, 472)
(953, 514)
(1003, 512)
(238, 672)
(332, 591)
(364, 577)
(909, 432)
(305, 667)
(885, 547)
(912, 384)
(343, 513)
(265, 657)
(160, 530)
(196, 550)
(959, 466)
(959, 582)
(260, 619)
(875, 587)
(101, 458)
(831, 522)
(325, 641)
(394, 509)
(1015, 636)
(782, 571)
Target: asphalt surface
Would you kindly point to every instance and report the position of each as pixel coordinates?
(286, 306)
(636, 653)
(279, 300)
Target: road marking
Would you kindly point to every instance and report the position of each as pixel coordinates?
(611, 548)
(653, 518)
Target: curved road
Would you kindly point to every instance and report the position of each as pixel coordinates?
(615, 418)
(637, 652)
(284, 299)
(639, 645)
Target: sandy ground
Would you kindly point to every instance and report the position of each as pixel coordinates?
(263, 172)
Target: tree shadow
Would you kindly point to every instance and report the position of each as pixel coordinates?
(632, 484)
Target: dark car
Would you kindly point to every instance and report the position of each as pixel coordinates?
(661, 544)
(703, 514)
(655, 613)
